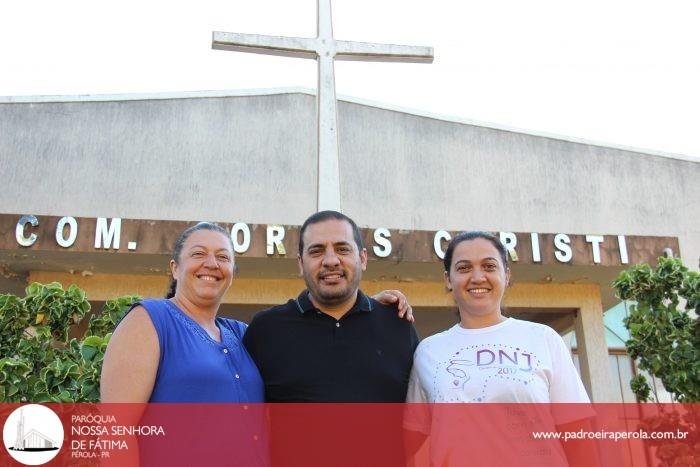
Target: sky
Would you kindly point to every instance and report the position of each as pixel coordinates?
(619, 72)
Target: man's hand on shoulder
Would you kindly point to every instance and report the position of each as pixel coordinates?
(396, 297)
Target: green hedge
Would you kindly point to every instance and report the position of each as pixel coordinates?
(663, 325)
(39, 363)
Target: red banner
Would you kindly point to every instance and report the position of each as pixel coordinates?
(350, 434)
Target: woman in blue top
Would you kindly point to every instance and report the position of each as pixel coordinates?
(176, 349)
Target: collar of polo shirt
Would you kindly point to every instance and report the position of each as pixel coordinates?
(362, 304)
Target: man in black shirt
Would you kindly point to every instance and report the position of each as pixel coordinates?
(332, 343)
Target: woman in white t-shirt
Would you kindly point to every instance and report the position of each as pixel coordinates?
(486, 357)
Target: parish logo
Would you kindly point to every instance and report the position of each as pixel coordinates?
(33, 434)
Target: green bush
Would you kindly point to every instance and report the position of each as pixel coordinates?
(665, 342)
(39, 363)
(664, 339)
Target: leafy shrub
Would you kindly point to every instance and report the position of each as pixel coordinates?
(665, 341)
(39, 363)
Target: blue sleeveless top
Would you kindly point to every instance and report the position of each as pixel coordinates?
(193, 367)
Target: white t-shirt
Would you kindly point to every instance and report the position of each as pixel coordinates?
(512, 361)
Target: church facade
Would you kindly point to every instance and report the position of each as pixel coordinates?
(97, 188)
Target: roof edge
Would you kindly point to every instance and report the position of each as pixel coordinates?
(512, 129)
(149, 96)
(355, 100)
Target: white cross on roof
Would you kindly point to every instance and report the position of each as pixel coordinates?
(325, 49)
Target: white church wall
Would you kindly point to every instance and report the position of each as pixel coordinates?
(252, 159)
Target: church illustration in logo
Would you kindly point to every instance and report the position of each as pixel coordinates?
(32, 440)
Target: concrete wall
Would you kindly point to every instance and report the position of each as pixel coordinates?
(252, 159)
(222, 159)
(459, 177)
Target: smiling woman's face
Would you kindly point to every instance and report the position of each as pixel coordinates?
(204, 269)
(477, 278)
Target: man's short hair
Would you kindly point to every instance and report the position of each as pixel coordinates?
(322, 216)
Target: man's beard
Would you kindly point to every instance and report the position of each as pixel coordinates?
(326, 295)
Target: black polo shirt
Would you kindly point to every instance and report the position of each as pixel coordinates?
(305, 355)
